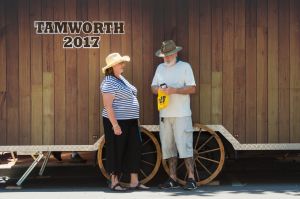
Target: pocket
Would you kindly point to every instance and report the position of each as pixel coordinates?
(188, 125)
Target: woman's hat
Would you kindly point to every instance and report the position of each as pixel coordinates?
(168, 48)
(113, 59)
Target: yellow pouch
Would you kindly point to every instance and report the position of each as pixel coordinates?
(162, 100)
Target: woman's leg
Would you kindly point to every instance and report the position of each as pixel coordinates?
(134, 180)
(134, 154)
(115, 145)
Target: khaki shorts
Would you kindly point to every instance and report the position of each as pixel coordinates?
(176, 136)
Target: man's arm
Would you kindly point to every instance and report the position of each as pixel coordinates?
(184, 90)
(154, 89)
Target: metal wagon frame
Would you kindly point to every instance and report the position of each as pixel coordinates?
(209, 153)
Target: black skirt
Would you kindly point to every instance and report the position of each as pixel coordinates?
(123, 152)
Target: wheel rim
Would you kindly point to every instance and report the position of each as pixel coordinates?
(209, 157)
(150, 158)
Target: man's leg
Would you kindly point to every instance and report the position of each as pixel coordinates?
(172, 167)
(189, 163)
(172, 181)
(183, 132)
(190, 183)
(76, 158)
(184, 142)
(57, 155)
(169, 151)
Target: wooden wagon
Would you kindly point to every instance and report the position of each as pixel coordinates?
(244, 54)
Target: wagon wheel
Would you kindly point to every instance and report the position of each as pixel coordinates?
(150, 158)
(209, 157)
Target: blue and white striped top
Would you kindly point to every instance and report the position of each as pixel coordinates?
(125, 103)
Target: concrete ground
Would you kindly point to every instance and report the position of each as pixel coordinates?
(243, 178)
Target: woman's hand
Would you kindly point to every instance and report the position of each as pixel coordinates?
(117, 129)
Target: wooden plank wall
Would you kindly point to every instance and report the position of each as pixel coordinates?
(244, 54)
(3, 85)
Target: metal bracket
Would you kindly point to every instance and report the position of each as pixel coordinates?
(28, 171)
(13, 156)
(44, 163)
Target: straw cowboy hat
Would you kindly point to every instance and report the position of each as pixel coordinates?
(113, 59)
(167, 48)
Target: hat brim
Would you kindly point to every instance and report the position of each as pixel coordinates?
(122, 59)
(160, 54)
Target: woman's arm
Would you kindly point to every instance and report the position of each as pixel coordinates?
(107, 102)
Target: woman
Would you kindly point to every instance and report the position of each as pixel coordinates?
(120, 121)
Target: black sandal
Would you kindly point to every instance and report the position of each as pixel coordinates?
(190, 184)
(139, 186)
(115, 188)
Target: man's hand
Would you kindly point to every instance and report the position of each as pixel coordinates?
(169, 90)
(154, 89)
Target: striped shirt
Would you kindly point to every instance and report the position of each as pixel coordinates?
(125, 103)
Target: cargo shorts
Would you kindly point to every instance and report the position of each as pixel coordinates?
(176, 136)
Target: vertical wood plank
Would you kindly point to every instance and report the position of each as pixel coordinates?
(12, 61)
(262, 71)
(181, 27)
(205, 61)
(284, 71)
(3, 135)
(158, 37)
(148, 71)
(36, 76)
(295, 71)
(24, 72)
(48, 108)
(104, 14)
(216, 65)
(48, 77)
(3, 86)
(60, 77)
(137, 54)
(228, 56)
(239, 71)
(94, 72)
(83, 82)
(170, 20)
(251, 8)
(193, 53)
(273, 71)
(71, 81)
(126, 39)
(159, 29)
(115, 10)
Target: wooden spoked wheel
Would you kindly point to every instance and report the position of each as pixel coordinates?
(209, 157)
(150, 158)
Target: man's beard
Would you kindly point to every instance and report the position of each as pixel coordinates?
(170, 63)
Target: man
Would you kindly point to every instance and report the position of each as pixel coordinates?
(176, 130)
(75, 157)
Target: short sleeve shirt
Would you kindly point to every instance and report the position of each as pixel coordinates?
(125, 103)
(176, 76)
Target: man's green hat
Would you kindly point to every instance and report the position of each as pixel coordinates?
(168, 48)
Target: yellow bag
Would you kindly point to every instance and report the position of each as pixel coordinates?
(162, 100)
